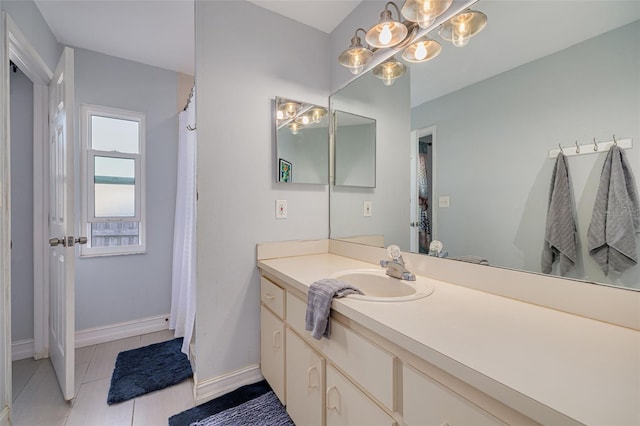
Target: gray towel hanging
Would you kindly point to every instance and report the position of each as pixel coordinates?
(615, 221)
(560, 231)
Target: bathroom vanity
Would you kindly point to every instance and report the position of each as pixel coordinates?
(459, 356)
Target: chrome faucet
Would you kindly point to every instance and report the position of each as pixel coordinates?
(395, 266)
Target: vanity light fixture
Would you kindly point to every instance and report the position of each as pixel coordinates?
(295, 127)
(421, 50)
(290, 108)
(390, 33)
(462, 27)
(424, 12)
(297, 115)
(389, 71)
(387, 32)
(356, 57)
(317, 113)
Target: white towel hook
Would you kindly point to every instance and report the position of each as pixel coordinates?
(615, 142)
(561, 150)
(595, 144)
(577, 148)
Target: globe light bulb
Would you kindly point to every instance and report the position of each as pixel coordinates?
(385, 35)
(303, 120)
(294, 127)
(421, 51)
(387, 76)
(356, 65)
(425, 14)
(461, 30)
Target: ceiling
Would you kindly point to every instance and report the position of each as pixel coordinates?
(131, 29)
(145, 30)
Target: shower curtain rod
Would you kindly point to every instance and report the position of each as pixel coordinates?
(590, 148)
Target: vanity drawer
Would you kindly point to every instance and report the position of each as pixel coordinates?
(272, 297)
(426, 402)
(352, 353)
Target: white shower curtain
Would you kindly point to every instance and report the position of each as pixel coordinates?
(183, 294)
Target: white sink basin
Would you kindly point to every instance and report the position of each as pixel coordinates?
(379, 287)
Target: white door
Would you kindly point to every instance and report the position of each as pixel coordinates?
(414, 224)
(61, 224)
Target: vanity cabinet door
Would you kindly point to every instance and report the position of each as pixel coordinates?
(348, 405)
(305, 382)
(426, 402)
(272, 343)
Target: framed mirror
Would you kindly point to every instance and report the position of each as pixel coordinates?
(302, 142)
(355, 150)
(485, 131)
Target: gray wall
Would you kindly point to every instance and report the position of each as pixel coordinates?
(390, 107)
(21, 99)
(115, 289)
(28, 18)
(493, 139)
(236, 172)
(355, 155)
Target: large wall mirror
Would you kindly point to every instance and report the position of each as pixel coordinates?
(302, 136)
(474, 158)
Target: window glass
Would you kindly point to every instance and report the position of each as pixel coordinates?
(114, 134)
(114, 180)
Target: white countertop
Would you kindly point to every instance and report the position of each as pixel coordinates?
(582, 368)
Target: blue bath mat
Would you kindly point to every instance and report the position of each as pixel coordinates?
(265, 410)
(227, 401)
(147, 369)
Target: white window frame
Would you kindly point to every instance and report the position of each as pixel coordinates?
(88, 162)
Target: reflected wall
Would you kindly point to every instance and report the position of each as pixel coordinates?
(493, 141)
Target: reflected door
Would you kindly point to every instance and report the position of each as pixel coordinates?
(422, 193)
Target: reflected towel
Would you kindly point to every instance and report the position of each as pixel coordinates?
(319, 298)
(560, 231)
(616, 216)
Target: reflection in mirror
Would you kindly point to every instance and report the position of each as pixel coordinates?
(369, 215)
(302, 137)
(355, 150)
(488, 137)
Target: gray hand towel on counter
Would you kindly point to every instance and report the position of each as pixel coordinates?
(319, 298)
(616, 216)
(560, 231)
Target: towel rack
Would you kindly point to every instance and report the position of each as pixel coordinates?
(591, 147)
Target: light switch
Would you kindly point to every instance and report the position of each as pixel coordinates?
(281, 209)
(367, 207)
(443, 201)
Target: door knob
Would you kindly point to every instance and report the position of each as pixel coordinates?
(53, 242)
(81, 240)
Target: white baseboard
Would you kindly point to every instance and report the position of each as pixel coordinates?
(107, 333)
(4, 417)
(212, 388)
(22, 349)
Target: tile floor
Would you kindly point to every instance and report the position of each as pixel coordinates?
(37, 400)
